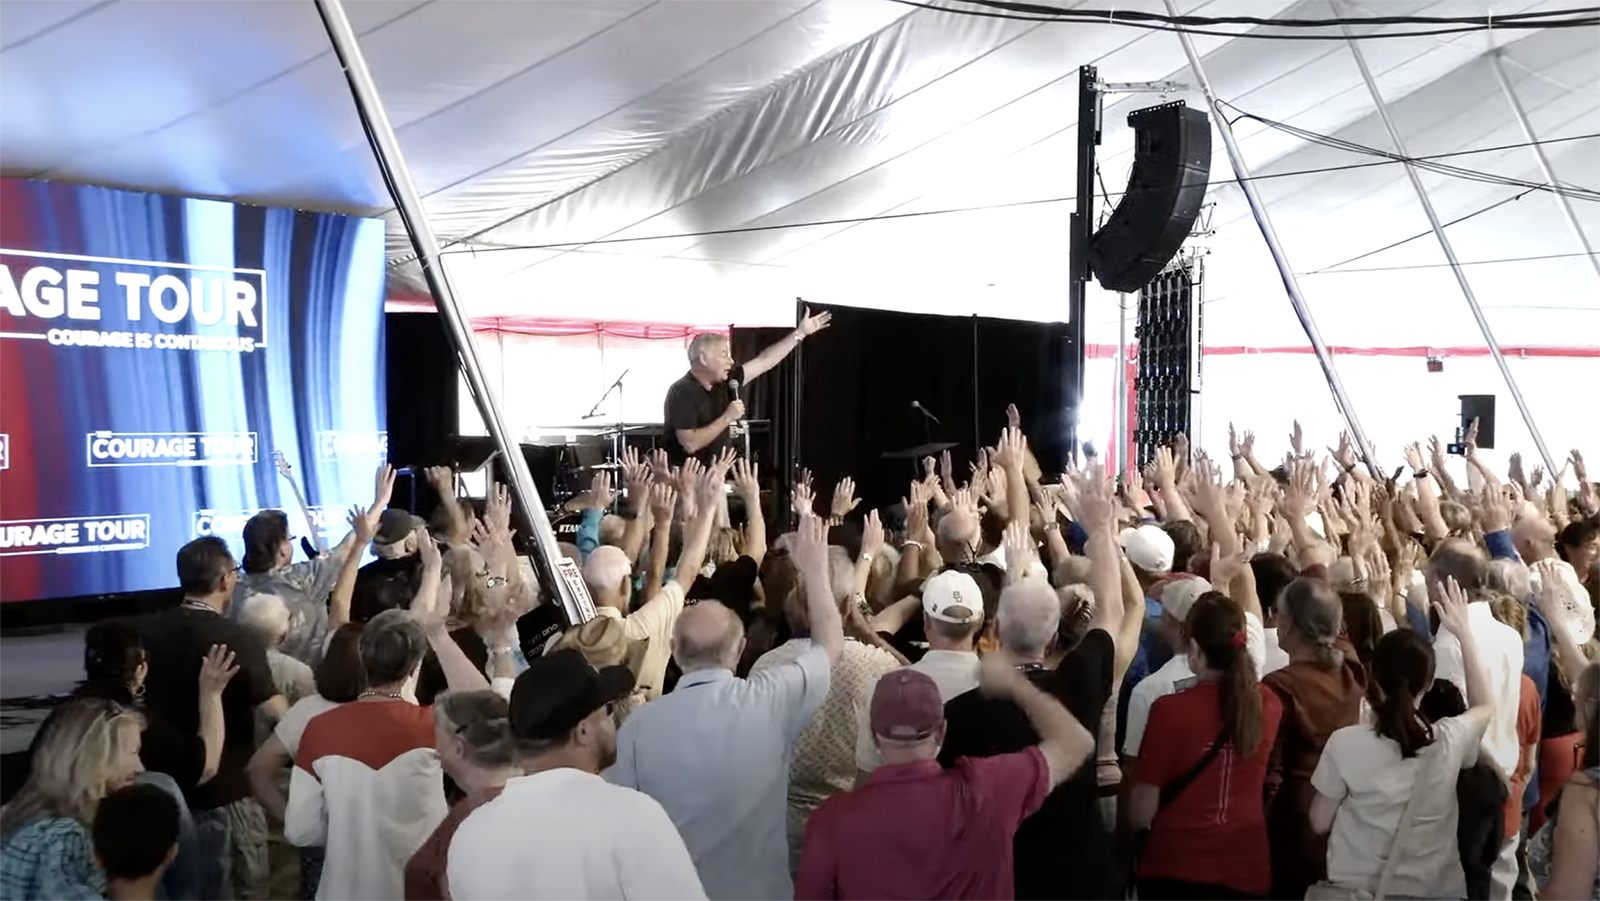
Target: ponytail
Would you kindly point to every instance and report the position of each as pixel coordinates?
(1217, 625)
(1402, 667)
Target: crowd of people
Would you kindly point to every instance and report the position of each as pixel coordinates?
(1214, 681)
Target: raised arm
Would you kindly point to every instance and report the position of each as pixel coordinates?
(300, 499)
(697, 531)
(430, 610)
(636, 478)
(1166, 474)
(1570, 657)
(1427, 502)
(1452, 609)
(775, 352)
(1095, 506)
(443, 480)
(363, 525)
(216, 671)
(1012, 458)
(663, 501)
(810, 553)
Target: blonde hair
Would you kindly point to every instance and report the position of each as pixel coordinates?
(1509, 611)
(73, 763)
(468, 599)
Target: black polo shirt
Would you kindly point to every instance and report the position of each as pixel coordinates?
(1063, 850)
(176, 641)
(690, 406)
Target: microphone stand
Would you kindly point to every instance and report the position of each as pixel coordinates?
(620, 439)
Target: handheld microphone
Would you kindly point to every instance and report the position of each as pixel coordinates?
(917, 405)
(733, 384)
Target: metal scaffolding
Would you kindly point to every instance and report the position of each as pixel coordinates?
(1303, 312)
(408, 201)
(1444, 244)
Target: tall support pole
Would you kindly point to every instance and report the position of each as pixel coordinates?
(1497, 60)
(408, 201)
(1241, 171)
(1444, 244)
(1119, 440)
(1080, 224)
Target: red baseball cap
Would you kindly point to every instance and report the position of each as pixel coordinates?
(906, 706)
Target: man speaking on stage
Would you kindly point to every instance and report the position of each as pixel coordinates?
(701, 406)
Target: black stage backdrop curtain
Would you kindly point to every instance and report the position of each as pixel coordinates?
(858, 379)
(771, 398)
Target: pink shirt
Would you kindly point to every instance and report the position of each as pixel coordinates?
(919, 831)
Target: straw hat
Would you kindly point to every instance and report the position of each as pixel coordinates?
(603, 641)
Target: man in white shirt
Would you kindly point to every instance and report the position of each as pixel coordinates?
(1502, 651)
(561, 831)
(716, 751)
(952, 616)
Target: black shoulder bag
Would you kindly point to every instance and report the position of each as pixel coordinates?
(1169, 792)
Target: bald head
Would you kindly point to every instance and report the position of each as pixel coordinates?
(707, 636)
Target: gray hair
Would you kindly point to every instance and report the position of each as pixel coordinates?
(1311, 609)
(1029, 616)
(703, 342)
(267, 616)
(717, 651)
(482, 720)
(1510, 577)
(392, 647)
(605, 569)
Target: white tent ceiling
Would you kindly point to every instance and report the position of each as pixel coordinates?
(707, 161)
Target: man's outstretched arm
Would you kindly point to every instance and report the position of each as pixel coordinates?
(784, 346)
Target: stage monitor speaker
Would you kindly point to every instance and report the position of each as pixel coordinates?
(1171, 168)
(1481, 408)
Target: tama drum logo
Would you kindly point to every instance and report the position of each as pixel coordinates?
(333, 446)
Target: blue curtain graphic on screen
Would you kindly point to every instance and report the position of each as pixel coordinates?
(154, 352)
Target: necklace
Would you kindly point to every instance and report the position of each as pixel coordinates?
(392, 695)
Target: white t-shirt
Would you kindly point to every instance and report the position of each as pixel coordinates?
(1273, 657)
(565, 833)
(1174, 676)
(294, 721)
(954, 672)
(1500, 646)
(1365, 773)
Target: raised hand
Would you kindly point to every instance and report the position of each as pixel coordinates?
(1180, 449)
(1095, 502)
(497, 510)
(1436, 452)
(660, 466)
(217, 669)
(1514, 470)
(1226, 567)
(802, 498)
(1300, 493)
(1235, 449)
(427, 551)
(810, 325)
(442, 479)
(1012, 450)
(844, 498)
(1588, 497)
(600, 492)
(916, 511)
(1451, 605)
(1297, 440)
(383, 487)
(747, 481)
(362, 525)
(635, 470)
(1413, 453)
(1471, 439)
(809, 550)
(1019, 548)
(689, 476)
(1166, 468)
(663, 501)
(1013, 417)
(947, 472)
(1345, 455)
(709, 487)
(872, 533)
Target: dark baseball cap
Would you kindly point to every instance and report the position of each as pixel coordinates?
(906, 706)
(394, 525)
(558, 690)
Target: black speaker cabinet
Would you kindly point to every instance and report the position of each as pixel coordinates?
(1171, 168)
(1481, 408)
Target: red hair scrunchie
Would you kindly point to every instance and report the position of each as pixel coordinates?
(1237, 640)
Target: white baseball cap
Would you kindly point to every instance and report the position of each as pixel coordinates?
(1179, 593)
(1148, 547)
(952, 597)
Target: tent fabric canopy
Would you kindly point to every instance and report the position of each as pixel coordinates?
(707, 161)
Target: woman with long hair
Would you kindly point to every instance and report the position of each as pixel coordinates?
(1203, 768)
(87, 750)
(1370, 775)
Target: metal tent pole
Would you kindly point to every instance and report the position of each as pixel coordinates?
(1444, 244)
(397, 176)
(1241, 171)
(1119, 440)
(1496, 60)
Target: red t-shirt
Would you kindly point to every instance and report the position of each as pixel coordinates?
(1528, 727)
(1215, 831)
(921, 831)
